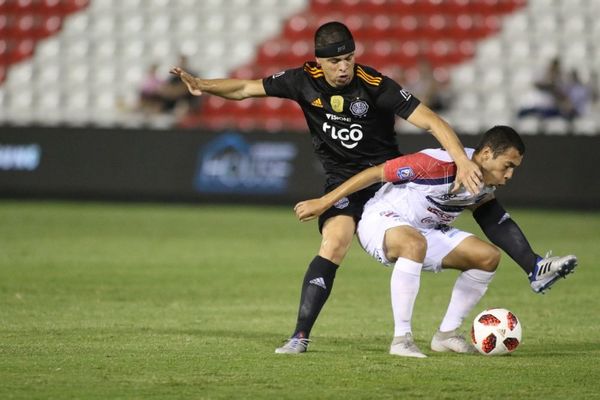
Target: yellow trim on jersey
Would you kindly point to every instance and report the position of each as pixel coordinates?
(370, 79)
(315, 72)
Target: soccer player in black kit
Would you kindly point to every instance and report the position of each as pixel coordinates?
(350, 111)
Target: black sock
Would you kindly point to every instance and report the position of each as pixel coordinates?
(316, 287)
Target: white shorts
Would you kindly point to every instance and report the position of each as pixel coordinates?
(379, 217)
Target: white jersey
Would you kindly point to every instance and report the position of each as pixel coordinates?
(420, 187)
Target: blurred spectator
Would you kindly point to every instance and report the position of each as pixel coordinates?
(547, 97)
(428, 88)
(595, 87)
(579, 96)
(169, 95)
(150, 99)
(174, 93)
(424, 85)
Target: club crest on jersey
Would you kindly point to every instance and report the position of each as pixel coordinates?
(337, 103)
(359, 108)
(342, 203)
(405, 173)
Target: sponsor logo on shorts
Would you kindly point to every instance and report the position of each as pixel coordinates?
(277, 75)
(342, 203)
(359, 108)
(389, 214)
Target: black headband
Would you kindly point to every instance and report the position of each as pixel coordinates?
(335, 49)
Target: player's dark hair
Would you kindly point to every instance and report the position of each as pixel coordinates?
(501, 138)
(332, 33)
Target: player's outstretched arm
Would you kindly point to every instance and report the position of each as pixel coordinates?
(310, 209)
(234, 89)
(468, 174)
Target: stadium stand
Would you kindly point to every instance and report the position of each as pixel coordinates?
(80, 62)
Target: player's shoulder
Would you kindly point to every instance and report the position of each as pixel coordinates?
(312, 70)
(369, 75)
(442, 155)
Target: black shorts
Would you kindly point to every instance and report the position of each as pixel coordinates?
(352, 205)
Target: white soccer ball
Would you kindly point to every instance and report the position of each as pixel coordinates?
(496, 331)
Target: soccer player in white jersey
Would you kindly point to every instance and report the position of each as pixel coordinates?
(406, 225)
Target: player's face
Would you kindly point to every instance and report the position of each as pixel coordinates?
(498, 170)
(339, 70)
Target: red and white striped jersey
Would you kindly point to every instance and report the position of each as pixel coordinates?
(420, 188)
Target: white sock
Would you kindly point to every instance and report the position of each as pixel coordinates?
(404, 286)
(469, 288)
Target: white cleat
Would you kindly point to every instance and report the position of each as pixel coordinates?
(293, 346)
(451, 341)
(405, 346)
(550, 269)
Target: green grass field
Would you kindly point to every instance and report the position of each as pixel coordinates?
(129, 301)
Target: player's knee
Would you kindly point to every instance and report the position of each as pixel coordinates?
(335, 248)
(490, 259)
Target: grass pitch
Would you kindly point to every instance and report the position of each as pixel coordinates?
(189, 302)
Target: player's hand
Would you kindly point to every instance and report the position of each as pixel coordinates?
(188, 79)
(469, 175)
(309, 209)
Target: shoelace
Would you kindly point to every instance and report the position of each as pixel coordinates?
(410, 345)
(458, 340)
(294, 343)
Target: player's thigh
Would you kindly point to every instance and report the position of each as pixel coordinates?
(337, 236)
(473, 253)
(373, 228)
(406, 242)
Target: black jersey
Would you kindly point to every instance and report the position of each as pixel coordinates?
(352, 128)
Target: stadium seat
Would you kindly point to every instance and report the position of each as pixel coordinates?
(528, 126)
(555, 126)
(457, 36)
(587, 125)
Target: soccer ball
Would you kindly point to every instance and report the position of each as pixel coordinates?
(496, 331)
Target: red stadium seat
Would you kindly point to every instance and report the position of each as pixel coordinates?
(48, 25)
(23, 22)
(390, 34)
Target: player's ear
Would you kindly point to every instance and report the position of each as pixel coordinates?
(487, 153)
